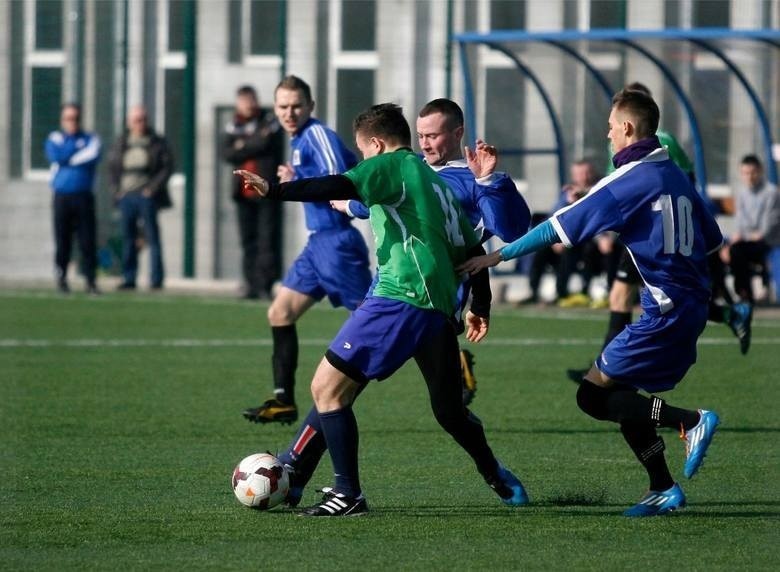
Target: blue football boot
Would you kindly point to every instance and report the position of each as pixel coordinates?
(697, 440)
(509, 488)
(656, 503)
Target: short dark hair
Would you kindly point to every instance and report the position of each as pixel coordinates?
(246, 90)
(294, 83)
(641, 107)
(385, 120)
(637, 86)
(447, 108)
(751, 159)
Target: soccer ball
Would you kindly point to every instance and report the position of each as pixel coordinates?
(260, 481)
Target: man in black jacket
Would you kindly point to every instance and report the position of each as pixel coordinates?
(140, 165)
(254, 142)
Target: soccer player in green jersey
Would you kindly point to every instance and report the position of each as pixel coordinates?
(421, 235)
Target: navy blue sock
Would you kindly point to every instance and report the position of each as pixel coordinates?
(306, 449)
(341, 435)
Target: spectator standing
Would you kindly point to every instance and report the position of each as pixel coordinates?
(73, 154)
(755, 202)
(140, 165)
(254, 142)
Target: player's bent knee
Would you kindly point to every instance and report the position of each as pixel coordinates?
(281, 315)
(591, 399)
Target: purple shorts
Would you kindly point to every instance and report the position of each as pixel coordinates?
(655, 352)
(334, 263)
(381, 335)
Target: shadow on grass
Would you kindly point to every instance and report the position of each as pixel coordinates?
(609, 509)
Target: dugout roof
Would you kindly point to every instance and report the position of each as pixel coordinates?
(672, 52)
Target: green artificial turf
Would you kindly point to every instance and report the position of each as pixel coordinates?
(120, 424)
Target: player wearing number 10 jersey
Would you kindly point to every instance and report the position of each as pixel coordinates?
(668, 231)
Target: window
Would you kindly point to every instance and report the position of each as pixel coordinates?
(715, 122)
(711, 14)
(174, 96)
(507, 15)
(256, 30)
(608, 14)
(355, 93)
(358, 25)
(505, 126)
(176, 32)
(267, 20)
(48, 24)
(45, 98)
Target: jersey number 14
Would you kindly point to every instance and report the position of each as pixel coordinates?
(684, 223)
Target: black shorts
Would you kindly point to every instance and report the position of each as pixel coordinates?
(626, 271)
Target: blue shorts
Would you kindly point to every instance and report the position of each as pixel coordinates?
(655, 352)
(381, 335)
(334, 263)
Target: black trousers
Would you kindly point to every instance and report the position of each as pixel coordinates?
(744, 254)
(75, 213)
(260, 226)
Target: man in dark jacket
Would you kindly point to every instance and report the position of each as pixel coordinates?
(253, 141)
(140, 165)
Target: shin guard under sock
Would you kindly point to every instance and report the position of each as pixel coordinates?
(341, 435)
(649, 450)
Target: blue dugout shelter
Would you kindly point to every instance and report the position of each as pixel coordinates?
(733, 49)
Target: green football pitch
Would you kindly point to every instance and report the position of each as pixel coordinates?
(120, 424)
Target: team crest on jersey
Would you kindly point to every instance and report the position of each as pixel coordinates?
(347, 346)
(296, 157)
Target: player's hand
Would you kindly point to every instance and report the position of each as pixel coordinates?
(252, 182)
(340, 206)
(474, 265)
(285, 172)
(476, 327)
(482, 160)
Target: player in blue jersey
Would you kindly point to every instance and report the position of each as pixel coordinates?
(421, 235)
(334, 262)
(668, 231)
(489, 199)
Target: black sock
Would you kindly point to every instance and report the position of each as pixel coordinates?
(719, 314)
(341, 435)
(617, 321)
(285, 362)
(649, 450)
(622, 404)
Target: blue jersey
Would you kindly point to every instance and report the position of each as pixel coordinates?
(317, 151)
(663, 222)
(74, 158)
(492, 204)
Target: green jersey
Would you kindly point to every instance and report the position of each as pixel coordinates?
(420, 231)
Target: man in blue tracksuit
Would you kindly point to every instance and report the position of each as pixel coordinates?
(73, 154)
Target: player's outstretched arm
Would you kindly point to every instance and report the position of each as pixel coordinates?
(315, 189)
(542, 235)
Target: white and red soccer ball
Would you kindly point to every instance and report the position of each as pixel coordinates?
(260, 481)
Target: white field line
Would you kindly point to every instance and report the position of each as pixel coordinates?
(220, 343)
